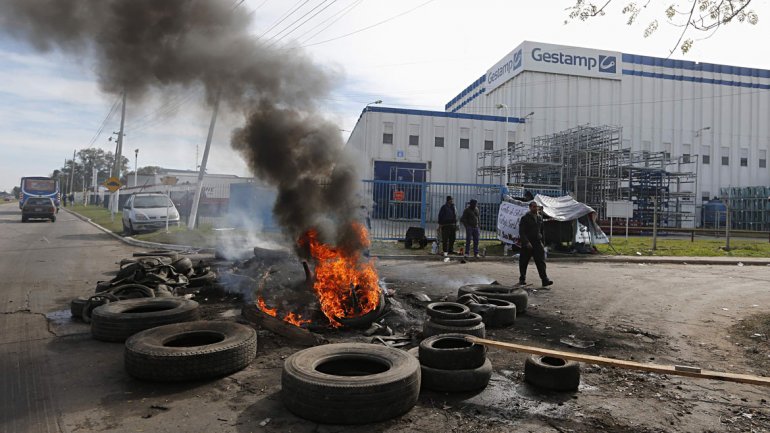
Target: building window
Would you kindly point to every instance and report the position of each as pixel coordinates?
(414, 140)
(438, 133)
(387, 133)
(489, 144)
(762, 163)
(744, 162)
(667, 155)
(706, 159)
(725, 153)
(686, 158)
(465, 138)
(725, 160)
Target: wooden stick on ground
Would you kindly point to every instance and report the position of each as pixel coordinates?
(679, 370)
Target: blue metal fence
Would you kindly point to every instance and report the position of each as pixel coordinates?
(395, 206)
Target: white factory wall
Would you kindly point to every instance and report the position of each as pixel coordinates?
(449, 163)
(678, 107)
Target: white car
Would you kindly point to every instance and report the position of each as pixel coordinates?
(148, 212)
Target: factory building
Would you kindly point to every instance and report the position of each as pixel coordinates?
(710, 120)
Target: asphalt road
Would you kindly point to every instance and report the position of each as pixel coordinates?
(55, 378)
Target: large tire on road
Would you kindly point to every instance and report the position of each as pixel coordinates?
(447, 310)
(495, 291)
(183, 265)
(117, 321)
(190, 351)
(132, 291)
(451, 352)
(364, 321)
(430, 328)
(552, 373)
(473, 379)
(350, 383)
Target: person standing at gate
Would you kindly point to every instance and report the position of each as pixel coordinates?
(471, 219)
(531, 235)
(447, 225)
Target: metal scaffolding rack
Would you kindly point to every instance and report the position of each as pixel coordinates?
(588, 163)
(749, 207)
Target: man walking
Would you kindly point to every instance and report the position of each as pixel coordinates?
(470, 220)
(531, 234)
(447, 225)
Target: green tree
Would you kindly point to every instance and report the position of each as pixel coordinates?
(86, 160)
(705, 16)
(149, 170)
(16, 191)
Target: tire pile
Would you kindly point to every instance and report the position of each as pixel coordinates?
(451, 317)
(153, 274)
(497, 305)
(450, 363)
(165, 340)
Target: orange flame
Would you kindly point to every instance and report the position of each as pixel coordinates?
(293, 318)
(345, 286)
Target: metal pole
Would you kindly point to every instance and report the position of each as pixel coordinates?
(201, 173)
(118, 155)
(727, 225)
(72, 175)
(136, 163)
(655, 223)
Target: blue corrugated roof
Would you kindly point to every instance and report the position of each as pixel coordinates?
(441, 114)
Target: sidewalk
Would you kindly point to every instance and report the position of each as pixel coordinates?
(671, 260)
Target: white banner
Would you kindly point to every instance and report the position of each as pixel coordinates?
(508, 221)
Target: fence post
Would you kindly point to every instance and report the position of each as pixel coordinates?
(423, 193)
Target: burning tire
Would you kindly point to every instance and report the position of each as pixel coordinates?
(471, 320)
(451, 352)
(447, 310)
(552, 373)
(350, 383)
(190, 351)
(365, 320)
(117, 321)
(431, 328)
(493, 291)
(167, 253)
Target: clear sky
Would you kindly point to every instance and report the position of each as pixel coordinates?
(411, 54)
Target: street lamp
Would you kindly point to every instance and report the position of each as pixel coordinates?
(136, 160)
(505, 140)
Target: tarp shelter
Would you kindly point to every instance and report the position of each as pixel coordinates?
(566, 220)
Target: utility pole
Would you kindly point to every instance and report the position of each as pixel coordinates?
(202, 172)
(136, 163)
(118, 155)
(655, 222)
(72, 173)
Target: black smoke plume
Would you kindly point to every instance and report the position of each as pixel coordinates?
(143, 46)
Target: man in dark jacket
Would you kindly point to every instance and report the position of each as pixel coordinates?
(447, 225)
(470, 220)
(531, 234)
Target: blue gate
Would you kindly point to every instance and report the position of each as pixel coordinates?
(397, 205)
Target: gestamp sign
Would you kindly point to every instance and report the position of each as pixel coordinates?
(557, 59)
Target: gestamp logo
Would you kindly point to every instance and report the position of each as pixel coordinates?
(517, 59)
(607, 64)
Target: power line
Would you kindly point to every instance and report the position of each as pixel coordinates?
(104, 123)
(304, 22)
(294, 8)
(371, 26)
(338, 15)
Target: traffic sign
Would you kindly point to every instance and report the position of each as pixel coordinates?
(113, 184)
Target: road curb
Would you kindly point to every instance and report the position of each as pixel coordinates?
(136, 242)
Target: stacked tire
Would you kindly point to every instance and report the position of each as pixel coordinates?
(450, 363)
(117, 321)
(516, 295)
(495, 313)
(452, 318)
